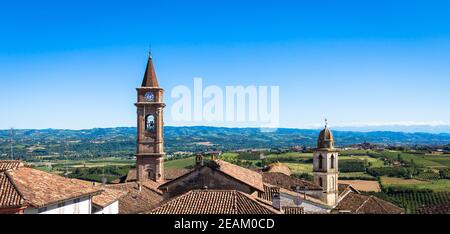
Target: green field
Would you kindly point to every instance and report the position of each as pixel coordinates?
(442, 159)
(435, 185)
(180, 163)
(414, 201)
(419, 159)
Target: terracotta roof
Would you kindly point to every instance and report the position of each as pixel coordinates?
(150, 79)
(292, 210)
(10, 164)
(169, 174)
(269, 192)
(288, 182)
(362, 204)
(40, 188)
(9, 195)
(108, 196)
(136, 201)
(343, 188)
(152, 185)
(242, 174)
(279, 167)
(363, 185)
(437, 209)
(214, 202)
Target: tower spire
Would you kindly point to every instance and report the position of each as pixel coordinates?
(150, 79)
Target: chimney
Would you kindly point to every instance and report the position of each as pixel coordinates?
(276, 201)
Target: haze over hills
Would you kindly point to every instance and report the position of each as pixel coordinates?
(409, 128)
(121, 141)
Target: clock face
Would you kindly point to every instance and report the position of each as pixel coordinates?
(149, 96)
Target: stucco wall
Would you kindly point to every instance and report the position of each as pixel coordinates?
(70, 207)
(309, 207)
(111, 209)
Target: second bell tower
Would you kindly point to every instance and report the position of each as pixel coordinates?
(150, 140)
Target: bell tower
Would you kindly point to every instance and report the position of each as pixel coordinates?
(150, 140)
(325, 166)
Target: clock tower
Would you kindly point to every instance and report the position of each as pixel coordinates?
(150, 140)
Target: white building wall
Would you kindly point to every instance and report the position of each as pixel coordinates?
(308, 207)
(83, 206)
(111, 209)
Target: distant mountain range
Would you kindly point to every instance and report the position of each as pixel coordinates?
(409, 128)
(121, 141)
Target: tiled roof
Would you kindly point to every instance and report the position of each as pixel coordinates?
(292, 210)
(169, 174)
(362, 204)
(279, 167)
(363, 185)
(269, 192)
(9, 164)
(40, 188)
(214, 202)
(344, 188)
(242, 174)
(136, 201)
(288, 182)
(108, 196)
(9, 196)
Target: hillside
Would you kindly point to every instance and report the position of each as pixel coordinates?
(121, 141)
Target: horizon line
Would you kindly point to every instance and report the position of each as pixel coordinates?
(339, 128)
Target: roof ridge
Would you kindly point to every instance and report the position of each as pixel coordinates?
(362, 204)
(382, 207)
(11, 180)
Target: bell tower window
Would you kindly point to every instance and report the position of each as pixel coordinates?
(332, 162)
(150, 123)
(320, 162)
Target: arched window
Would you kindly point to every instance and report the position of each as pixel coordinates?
(332, 162)
(320, 182)
(150, 123)
(320, 162)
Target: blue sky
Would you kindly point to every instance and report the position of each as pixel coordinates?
(76, 64)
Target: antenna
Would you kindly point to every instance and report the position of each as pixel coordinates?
(326, 122)
(12, 143)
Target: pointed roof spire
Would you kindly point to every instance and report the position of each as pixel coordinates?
(150, 79)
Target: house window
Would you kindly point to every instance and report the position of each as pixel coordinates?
(43, 209)
(320, 161)
(332, 161)
(320, 182)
